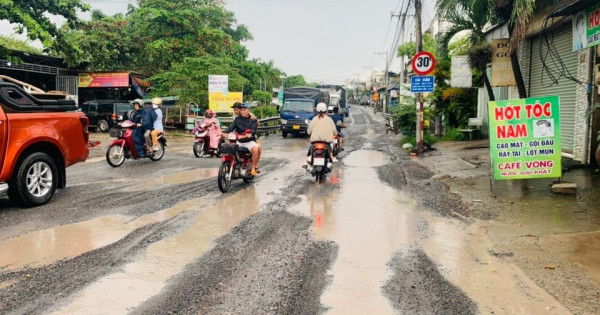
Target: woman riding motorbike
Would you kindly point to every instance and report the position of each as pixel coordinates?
(214, 129)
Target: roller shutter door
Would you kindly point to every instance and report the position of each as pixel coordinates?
(565, 89)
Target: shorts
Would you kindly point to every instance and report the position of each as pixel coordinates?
(248, 145)
(341, 134)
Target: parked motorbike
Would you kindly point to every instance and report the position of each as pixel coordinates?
(319, 162)
(236, 162)
(123, 147)
(202, 142)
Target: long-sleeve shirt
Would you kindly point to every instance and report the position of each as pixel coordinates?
(241, 124)
(321, 129)
(158, 122)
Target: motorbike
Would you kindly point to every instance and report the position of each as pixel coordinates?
(319, 162)
(236, 162)
(124, 148)
(202, 142)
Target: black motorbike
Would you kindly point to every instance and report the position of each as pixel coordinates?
(319, 161)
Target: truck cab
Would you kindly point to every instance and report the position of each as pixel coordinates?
(298, 108)
(295, 115)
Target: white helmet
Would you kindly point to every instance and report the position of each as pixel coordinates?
(321, 108)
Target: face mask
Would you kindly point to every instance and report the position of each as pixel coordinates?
(154, 106)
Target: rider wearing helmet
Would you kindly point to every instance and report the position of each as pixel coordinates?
(322, 129)
(138, 133)
(240, 125)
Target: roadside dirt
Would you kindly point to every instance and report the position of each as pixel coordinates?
(553, 239)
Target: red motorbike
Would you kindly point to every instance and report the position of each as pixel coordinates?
(319, 161)
(236, 163)
(123, 147)
(202, 142)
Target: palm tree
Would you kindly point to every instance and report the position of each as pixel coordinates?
(471, 16)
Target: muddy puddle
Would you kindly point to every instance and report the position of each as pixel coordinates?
(465, 257)
(180, 178)
(147, 276)
(369, 221)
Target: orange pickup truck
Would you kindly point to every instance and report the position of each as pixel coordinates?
(39, 139)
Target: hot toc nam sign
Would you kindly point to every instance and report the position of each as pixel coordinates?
(525, 138)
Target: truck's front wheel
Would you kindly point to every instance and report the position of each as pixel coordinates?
(34, 182)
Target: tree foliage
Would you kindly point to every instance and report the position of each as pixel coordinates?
(294, 80)
(189, 79)
(32, 16)
(13, 43)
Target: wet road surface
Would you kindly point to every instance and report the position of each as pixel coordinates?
(378, 237)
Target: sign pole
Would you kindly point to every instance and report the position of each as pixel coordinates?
(419, 43)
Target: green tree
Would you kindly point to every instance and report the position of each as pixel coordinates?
(189, 79)
(173, 30)
(294, 80)
(471, 16)
(32, 17)
(101, 44)
(11, 42)
(264, 98)
(410, 49)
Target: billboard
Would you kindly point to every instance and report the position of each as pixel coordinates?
(222, 102)
(103, 79)
(218, 83)
(461, 74)
(502, 72)
(525, 138)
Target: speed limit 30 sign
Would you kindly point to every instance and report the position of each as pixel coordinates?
(423, 63)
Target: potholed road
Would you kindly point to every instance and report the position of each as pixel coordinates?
(379, 237)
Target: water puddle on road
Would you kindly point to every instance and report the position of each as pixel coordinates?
(48, 246)
(369, 221)
(166, 258)
(463, 255)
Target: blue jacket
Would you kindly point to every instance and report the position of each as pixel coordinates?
(148, 118)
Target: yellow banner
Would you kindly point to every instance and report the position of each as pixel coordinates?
(222, 102)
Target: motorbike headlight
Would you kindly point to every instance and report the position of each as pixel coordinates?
(307, 121)
(283, 121)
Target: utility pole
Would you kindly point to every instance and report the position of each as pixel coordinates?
(358, 82)
(419, 43)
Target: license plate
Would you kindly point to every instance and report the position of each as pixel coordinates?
(319, 162)
(296, 127)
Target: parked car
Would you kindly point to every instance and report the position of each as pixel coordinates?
(105, 114)
(39, 139)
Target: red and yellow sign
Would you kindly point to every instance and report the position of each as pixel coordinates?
(103, 79)
(222, 102)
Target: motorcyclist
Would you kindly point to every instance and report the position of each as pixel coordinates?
(138, 132)
(322, 129)
(236, 112)
(148, 118)
(214, 128)
(240, 124)
(338, 120)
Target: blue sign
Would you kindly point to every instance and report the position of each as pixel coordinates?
(422, 84)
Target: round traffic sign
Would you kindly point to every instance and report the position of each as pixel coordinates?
(423, 63)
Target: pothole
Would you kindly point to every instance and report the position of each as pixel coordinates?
(366, 158)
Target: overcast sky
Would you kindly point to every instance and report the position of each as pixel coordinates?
(327, 41)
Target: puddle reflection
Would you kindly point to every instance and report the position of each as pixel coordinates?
(369, 222)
